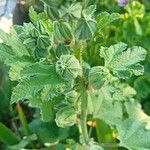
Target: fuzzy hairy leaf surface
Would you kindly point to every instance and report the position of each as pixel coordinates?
(123, 63)
(104, 19)
(13, 40)
(17, 67)
(30, 86)
(85, 29)
(134, 110)
(6, 54)
(133, 134)
(86, 26)
(71, 11)
(101, 106)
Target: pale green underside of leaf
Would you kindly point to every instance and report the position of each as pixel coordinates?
(123, 63)
(134, 110)
(101, 106)
(133, 134)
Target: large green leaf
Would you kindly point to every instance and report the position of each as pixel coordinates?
(124, 63)
(133, 134)
(102, 106)
(134, 110)
(30, 86)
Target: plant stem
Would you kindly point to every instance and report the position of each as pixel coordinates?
(83, 117)
(109, 145)
(91, 129)
(23, 120)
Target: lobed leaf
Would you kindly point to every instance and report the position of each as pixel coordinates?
(31, 86)
(124, 63)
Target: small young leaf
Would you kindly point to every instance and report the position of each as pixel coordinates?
(85, 29)
(68, 67)
(104, 19)
(71, 11)
(66, 116)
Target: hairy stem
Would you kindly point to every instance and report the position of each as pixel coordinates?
(83, 118)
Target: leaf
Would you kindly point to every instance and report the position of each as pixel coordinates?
(102, 106)
(62, 31)
(133, 134)
(85, 29)
(24, 142)
(30, 86)
(86, 26)
(110, 53)
(14, 42)
(142, 86)
(134, 110)
(32, 14)
(6, 54)
(89, 11)
(66, 117)
(70, 11)
(36, 69)
(104, 19)
(46, 111)
(16, 69)
(7, 136)
(123, 92)
(123, 63)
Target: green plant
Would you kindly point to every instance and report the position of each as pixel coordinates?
(65, 71)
